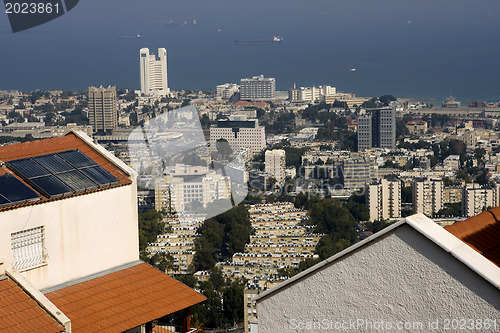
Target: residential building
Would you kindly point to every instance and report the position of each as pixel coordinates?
(417, 127)
(377, 129)
(185, 185)
(383, 199)
(253, 288)
(275, 164)
(424, 274)
(257, 88)
(357, 170)
(227, 90)
(476, 199)
(282, 239)
(154, 81)
(239, 132)
(69, 243)
(452, 162)
(452, 194)
(312, 94)
(427, 196)
(103, 109)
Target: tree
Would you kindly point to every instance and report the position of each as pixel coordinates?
(150, 226)
(205, 255)
(376, 226)
(223, 148)
(233, 303)
(162, 261)
(331, 218)
(357, 206)
(217, 278)
(222, 235)
(205, 121)
(462, 174)
(455, 209)
(329, 245)
(193, 159)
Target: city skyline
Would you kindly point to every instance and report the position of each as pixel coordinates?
(427, 50)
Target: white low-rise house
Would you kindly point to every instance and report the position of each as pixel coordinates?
(69, 243)
(412, 276)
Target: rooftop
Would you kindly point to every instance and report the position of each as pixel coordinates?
(115, 171)
(481, 232)
(121, 299)
(21, 313)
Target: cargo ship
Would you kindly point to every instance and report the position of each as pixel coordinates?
(275, 40)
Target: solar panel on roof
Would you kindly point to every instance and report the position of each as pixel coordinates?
(3, 201)
(76, 158)
(12, 191)
(51, 186)
(76, 180)
(53, 163)
(99, 175)
(62, 173)
(28, 168)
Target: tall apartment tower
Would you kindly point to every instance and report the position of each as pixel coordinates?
(383, 199)
(257, 88)
(427, 196)
(154, 80)
(103, 109)
(377, 129)
(275, 164)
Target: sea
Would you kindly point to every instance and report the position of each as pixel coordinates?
(414, 49)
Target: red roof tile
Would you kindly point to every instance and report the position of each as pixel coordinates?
(21, 313)
(481, 232)
(55, 145)
(123, 300)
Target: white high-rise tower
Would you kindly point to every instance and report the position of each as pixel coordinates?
(154, 73)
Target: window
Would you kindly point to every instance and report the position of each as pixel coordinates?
(28, 248)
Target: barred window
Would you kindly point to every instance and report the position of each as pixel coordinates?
(28, 248)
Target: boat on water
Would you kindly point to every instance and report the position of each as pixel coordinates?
(138, 36)
(275, 40)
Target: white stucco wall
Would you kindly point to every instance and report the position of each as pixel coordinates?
(401, 277)
(84, 235)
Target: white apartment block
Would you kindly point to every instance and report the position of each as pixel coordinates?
(225, 91)
(427, 196)
(477, 198)
(312, 94)
(257, 88)
(452, 162)
(240, 133)
(275, 164)
(154, 81)
(173, 193)
(383, 199)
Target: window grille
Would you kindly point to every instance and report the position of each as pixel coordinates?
(28, 248)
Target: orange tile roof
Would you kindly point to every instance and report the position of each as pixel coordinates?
(21, 313)
(55, 145)
(246, 103)
(481, 232)
(123, 299)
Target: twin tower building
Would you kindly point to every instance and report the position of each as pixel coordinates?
(154, 80)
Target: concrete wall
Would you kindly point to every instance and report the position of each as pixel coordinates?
(84, 235)
(400, 277)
